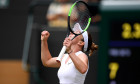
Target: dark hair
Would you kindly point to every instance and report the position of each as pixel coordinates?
(91, 46)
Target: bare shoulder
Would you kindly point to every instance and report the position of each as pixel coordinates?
(83, 57)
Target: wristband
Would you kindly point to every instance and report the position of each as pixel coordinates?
(69, 52)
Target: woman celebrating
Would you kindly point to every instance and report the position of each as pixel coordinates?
(74, 65)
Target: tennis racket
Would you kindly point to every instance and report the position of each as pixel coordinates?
(78, 16)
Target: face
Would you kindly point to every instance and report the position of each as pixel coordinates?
(76, 39)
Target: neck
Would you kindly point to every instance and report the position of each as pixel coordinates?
(76, 48)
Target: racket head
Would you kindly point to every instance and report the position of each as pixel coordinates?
(79, 15)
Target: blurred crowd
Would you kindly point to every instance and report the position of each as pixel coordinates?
(57, 13)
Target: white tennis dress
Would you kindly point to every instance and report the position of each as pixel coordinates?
(68, 74)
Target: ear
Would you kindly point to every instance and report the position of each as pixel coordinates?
(81, 43)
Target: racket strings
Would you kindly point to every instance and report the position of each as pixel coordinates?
(80, 14)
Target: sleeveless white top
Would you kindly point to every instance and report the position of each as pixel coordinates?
(68, 74)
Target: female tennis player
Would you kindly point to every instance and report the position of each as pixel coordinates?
(74, 64)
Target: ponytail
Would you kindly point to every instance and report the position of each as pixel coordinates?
(91, 46)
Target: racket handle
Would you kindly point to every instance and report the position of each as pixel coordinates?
(61, 54)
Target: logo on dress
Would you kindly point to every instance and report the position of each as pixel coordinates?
(69, 63)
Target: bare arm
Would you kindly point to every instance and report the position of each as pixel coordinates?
(46, 57)
(80, 62)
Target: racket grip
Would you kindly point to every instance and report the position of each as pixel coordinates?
(61, 54)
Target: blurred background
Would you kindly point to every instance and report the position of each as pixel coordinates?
(115, 27)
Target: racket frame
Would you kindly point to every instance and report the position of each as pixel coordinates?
(89, 20)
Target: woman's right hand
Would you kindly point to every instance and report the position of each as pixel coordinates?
(45, 35)
(67, 42)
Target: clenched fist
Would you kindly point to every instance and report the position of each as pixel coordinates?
(45, 35)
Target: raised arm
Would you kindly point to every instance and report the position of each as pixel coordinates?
(47, 59)
(80, 61)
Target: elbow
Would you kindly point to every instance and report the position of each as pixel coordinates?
(45, 64)
(83, 70)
